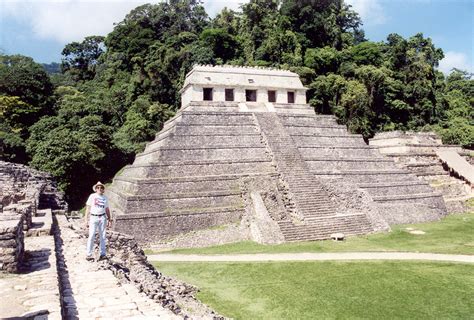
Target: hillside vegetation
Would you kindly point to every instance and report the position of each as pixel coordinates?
(115, 92)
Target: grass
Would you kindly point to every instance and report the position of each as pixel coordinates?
(332, 290)
(454, 235)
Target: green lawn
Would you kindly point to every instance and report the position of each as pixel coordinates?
(332, 290)
(454, 234)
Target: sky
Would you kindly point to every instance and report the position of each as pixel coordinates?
(41, 28)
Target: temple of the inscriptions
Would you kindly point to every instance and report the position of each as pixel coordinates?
(245, 147)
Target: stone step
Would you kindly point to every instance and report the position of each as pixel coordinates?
(170, 123)
(313, 203)
(406, 197)
(390, 184)
(155, 180)
(359, 172)
(348, 159)
(325, 231)
(316, 129)
(198, 169)
(216, 104)
(218, 118)
(398, 190)
(215, 129)
(330, 143)
(210, 153)
(322, 227)
(160, 186)
(194, 211)
(208, 143)
(339, 152)
(351, 165)
(325, 135)
(175, 202)
(41, 224)
(454, 189)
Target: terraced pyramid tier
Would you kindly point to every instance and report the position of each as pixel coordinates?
(192, 176)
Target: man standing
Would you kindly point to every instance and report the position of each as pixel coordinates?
(97, 217)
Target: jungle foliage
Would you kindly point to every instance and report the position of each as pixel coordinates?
(115, 92)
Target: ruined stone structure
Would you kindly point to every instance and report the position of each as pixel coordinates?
(52, 280)
(24, 192)
(418, 152)
(245, 146)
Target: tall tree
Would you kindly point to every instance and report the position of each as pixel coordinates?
(81, 58)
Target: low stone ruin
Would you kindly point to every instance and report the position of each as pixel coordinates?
(24, 191)
(418, 152)
(11, 244)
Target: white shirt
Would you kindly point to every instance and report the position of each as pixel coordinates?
(98, 203)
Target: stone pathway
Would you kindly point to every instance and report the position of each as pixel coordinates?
(457, 164)
(91, 292)
(312, 257)
(88, 289)
(35, 290)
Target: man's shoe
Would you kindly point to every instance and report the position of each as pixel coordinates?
(90, 258)
(102, 257)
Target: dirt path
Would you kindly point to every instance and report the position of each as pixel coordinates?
(261, 257)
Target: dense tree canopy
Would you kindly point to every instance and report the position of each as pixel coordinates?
(115, 92)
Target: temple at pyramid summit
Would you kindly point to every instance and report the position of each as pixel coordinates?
(246, 148)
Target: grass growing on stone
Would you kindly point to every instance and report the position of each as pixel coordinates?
(330, 290)
(453, 234)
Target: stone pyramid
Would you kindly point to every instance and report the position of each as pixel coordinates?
(245, 145)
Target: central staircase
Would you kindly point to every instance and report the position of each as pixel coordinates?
(308, 200)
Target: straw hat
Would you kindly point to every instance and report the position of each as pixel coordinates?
(98, 184)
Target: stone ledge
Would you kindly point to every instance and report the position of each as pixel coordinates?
(209, 147)
(405, 197)
(314, 125)
(141, 215)
(193, 178)
(228, 134)
(422, 154)
(178, 195)
(352, 159)
(424, 164)
(357, 172)
(319, 135)
(312, 116)
(215, 125)
(424, 145)
(318, 146)
(201, 162)
(215, 147)
(392, 184)
(212, 113)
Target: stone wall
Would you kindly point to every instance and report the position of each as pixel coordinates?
(152, 227)
(24, 190)
(11, 244)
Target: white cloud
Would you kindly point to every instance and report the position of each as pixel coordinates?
(70, 20)
(370, 11)
(457, 60)
(213, 7)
